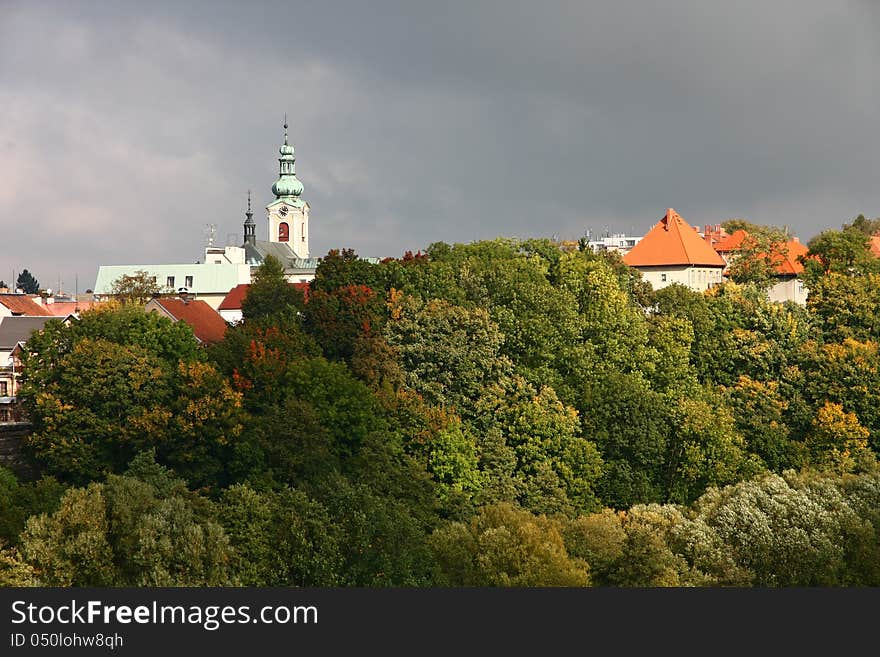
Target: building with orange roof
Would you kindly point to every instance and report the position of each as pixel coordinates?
(786, 264)
(788, 267)
(874, 245)
(206, 323)
(15, 305)
(673, 251)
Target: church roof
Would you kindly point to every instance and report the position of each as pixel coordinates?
(256, 252)
(672, 242)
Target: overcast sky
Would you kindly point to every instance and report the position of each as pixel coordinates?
(126, 128)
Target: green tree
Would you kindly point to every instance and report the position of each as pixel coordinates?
(344, 268)
(794, 531)
(137, 288)
(839, 251)
(281, 538)
(846, 306)
(340, 318)
(759, 412)
(269, 292)
(129, 532)
(761, 250)
(450, 354)
(556, 469)
(20, 500)
(27, 282)
(101, 402)
(506, 546)
(868, 226)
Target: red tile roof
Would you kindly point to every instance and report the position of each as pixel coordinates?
(233, 300)
(789, 264)
(785, 265)
(874, 244)
(672, 242)
(731, 242)
(206, 323)
(65, 308)
(21, 304)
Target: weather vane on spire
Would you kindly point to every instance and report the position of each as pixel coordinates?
(285, 127)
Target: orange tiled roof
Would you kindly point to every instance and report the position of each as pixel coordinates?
(788, 264)
(672, 242)
(21, 304)
(732, 242)
(874, 244)
(206, 323)
(65, 308)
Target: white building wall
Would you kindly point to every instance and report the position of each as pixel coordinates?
(696, 278)
(791, 289)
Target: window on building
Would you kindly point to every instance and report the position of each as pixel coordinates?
(4, 388)
(169, 281)
(663, 277)
(188, 281)
(303, 231)
(4, 415)
(283, 232)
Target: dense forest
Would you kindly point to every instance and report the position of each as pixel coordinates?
(500, 413)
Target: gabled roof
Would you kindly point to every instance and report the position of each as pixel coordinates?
(206, 323)
(672, 242)
(234, 299)
(19, 329)
(22, 304)
(874, 245)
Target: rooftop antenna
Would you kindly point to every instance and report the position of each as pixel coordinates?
(210, 231)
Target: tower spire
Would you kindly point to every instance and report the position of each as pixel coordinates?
(287, 184)
(250, 235)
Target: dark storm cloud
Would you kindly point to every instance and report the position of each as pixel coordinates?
(128, 127)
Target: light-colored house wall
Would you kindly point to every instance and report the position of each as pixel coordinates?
(211, 282)
(789, 289)
(697, 278)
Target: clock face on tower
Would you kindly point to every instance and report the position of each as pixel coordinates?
(282, 210)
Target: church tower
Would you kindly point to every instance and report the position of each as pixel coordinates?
(288, 214)
(250, 236)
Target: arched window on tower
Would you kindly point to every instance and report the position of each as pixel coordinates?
(283, 232)
(303, 232)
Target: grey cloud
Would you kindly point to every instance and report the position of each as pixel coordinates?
(132, 125)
